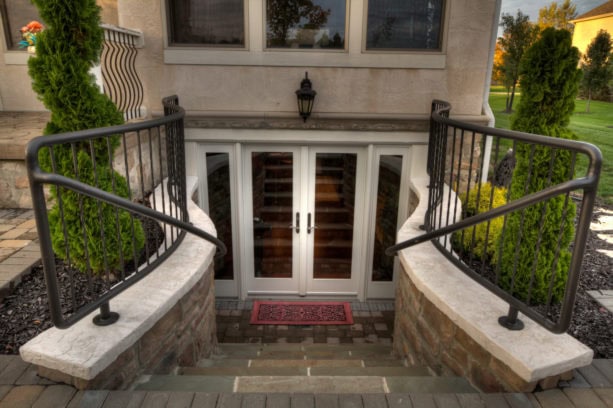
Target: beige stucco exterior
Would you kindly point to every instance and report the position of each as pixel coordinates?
(586, 30)
(344, 90)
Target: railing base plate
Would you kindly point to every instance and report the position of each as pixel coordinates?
(514, 324)
(107, 320)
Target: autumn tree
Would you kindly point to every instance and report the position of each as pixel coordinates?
(519, 33)
(597, 66)
(557, 16)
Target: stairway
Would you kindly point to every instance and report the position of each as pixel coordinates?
(312, 369)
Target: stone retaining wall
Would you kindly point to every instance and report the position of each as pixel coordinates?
(180, 338)
(166, 319)
(447, 321)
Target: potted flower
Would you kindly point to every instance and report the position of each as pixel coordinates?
(29, 33)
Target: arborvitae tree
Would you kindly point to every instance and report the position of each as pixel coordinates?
(596, 66)
(65, 52)
(549, 86)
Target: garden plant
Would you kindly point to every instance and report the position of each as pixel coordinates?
(535, 254)
(92, 235)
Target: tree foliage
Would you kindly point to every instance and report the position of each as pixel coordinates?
(597, 66)
(557, 16)
(519, 33)
(283, 15)
(91, 234)
(535, 244)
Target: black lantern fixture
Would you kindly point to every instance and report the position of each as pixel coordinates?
(306, 97)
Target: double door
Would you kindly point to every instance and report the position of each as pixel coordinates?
(303, 209)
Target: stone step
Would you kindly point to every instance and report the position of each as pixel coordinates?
(226, 362)
(306, 370)
(304, 352)
(304, 384)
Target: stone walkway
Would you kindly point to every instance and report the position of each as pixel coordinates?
(21, 387)
(19, 248)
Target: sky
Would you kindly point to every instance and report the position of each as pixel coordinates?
(531, 7)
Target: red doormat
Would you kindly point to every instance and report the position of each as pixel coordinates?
(301, 313)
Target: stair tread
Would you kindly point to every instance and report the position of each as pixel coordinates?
(302, 384)
(304, 370)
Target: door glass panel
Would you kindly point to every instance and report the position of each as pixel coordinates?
(388, 190)
(272, 188)
(220, 211)
(334, 212)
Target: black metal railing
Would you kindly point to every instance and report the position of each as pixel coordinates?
(118, 63)
(97, 233)
(495, 229)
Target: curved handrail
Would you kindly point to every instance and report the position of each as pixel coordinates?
(442, 128)
(174, 188)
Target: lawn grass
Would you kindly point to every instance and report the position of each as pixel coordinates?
(595, 127)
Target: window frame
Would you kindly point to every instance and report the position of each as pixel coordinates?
(354, 54)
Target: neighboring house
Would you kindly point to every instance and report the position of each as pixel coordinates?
(305, 208)
(588, 25)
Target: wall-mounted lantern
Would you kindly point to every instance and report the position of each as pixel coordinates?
(306, 97)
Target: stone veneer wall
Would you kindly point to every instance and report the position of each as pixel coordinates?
(448, 322)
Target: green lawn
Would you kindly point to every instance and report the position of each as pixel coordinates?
(595, 127)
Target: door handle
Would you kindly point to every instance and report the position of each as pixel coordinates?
(297, 226)
(309, 227)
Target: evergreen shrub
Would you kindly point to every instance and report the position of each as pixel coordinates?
(482, 239)
(535, 244)
(102, 237)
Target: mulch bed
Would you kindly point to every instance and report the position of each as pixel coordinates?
(25, 312)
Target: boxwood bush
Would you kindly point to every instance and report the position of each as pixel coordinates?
(481, 240)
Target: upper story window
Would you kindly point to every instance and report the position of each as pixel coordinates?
(364, 34)
(211, 23)
(309, 24)
(16, 14)
(404, 25)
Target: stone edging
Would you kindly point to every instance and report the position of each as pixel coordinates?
(532, 354)
(85, 350)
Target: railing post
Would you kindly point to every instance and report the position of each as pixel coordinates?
(510, 321)
(106, 317)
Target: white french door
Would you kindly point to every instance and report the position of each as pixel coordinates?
(302, 222)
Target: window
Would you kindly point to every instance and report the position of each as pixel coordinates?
(216, 23)
(305, 24)
(404, 24)
(16, 14)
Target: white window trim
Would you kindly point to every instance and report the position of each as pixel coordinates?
(354, 55)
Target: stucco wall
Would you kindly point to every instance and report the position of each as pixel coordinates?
(267, 90)
(15, 86)
(585, 31)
